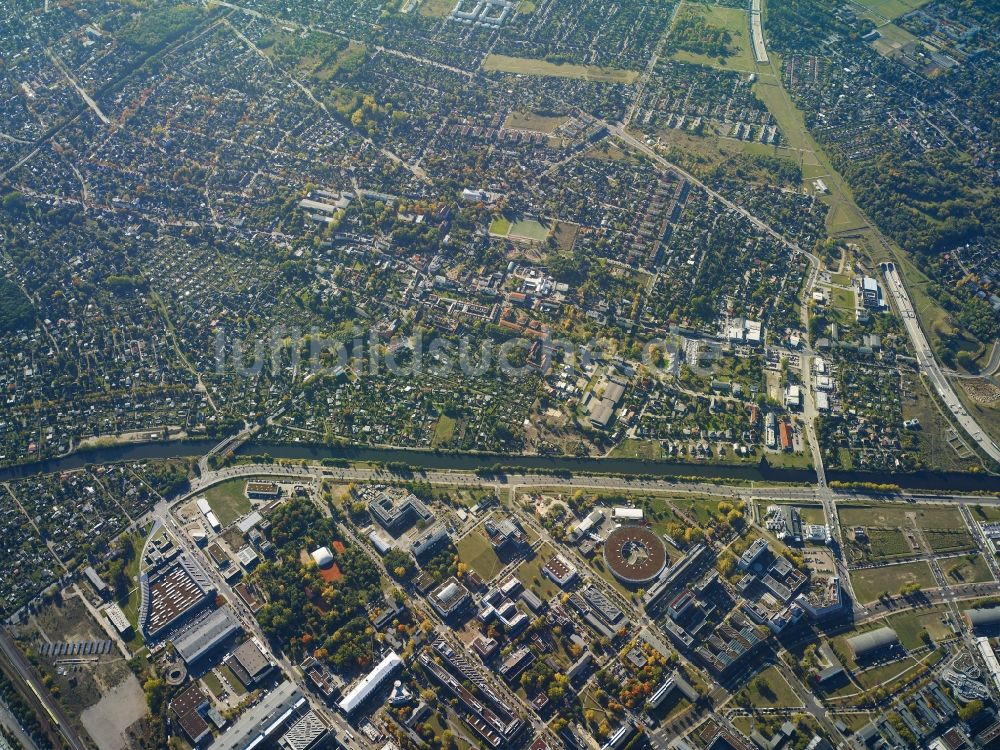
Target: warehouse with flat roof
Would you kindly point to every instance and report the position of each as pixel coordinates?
(262, 722)
(207, 635)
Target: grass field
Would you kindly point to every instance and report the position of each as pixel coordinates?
(949, 541)
(891, 516)
(910, 626)
(528, 229)
(844, 299)
(887, 544)
(935, 429)
(733, 20)
(500, 226)
(885, 672)
(532, 67)
(436, 8)
(651, 450)
(233, 680)
(213, 683)
(565, 235)
(770, 690)
(443, 431)
(532, 121)
(229, 500)
(529, 573)
(475, 550)
(970, 569)
(890, 9)
(870, 582)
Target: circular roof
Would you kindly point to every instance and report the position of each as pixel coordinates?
(634, 554)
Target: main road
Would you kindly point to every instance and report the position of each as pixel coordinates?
(930, 367)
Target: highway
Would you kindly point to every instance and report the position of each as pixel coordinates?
(930, 367)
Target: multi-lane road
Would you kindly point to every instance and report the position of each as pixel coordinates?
(930, 367)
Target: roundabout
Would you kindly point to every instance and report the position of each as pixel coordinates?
(635, 555)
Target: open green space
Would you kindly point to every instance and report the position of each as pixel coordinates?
(500, 226)
(968, 569)
(844, 299)
(436, 8)
(869, 583)
(443, 431)
(650, 450)
(528, 229)
(884, 673)
(229, 500)
(943, 542)
(910, 626)
(530, 574)
(533, 121)
(853, 720)
(899, 515)
(533, 67)
(883, 545)
(213, 683)
(936, 438)
(713, 35)
(475, 550)
(890, 9)
(769, 690)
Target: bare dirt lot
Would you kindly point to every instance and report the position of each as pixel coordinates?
(117, 710)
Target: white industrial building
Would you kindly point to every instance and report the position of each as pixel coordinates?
(370, 683)
(323, 557)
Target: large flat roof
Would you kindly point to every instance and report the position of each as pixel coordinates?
(206, 635)
(263, 720)
(363, 690)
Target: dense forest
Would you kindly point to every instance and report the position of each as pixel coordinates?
(16, 311)
(304, 612)
(929, 204)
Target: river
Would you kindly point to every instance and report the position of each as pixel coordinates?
(953, 481)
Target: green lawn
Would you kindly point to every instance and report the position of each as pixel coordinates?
(844, 299)
(229, 500)
(958, 540)
(894, 515)
(436, 8)
(734, 20)
(770, 690)
(500, 226)
(475, 550)
(651, 450)
(890, 9)
(443, 431)
(534, 67)
(213, 683)
(968, 569)
(910, 626)
(528, 229)
(529, 573)
(533, 121)
(870, 582)
(884, 673)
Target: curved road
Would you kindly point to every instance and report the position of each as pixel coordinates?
(930, 367)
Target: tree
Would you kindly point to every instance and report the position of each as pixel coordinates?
(970, 710)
